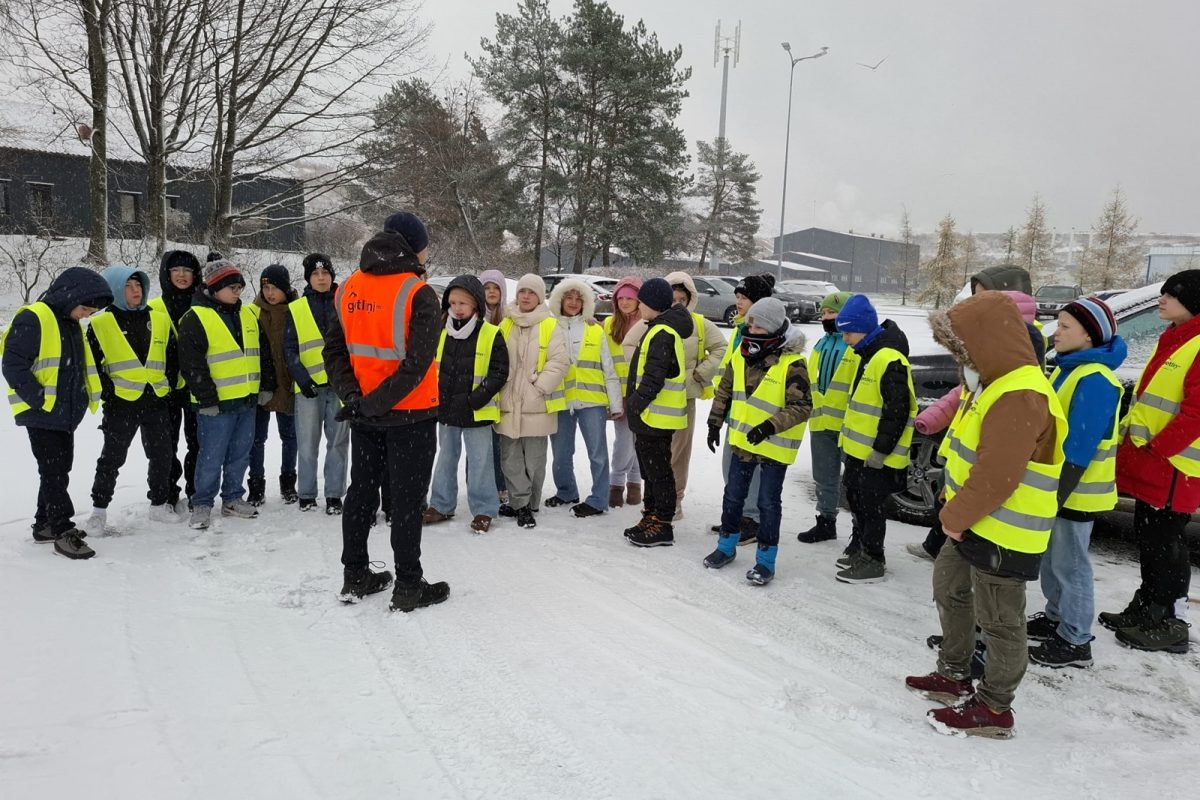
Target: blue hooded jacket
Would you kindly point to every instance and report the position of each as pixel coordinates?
(1095, 402)
(134, 324)
(117, 276)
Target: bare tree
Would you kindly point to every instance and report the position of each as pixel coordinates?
(904, 269)
(29, 262)
(968, 255)
(942, 270)
(1111, 258)
(1035, 245)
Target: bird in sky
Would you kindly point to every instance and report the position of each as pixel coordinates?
(875, 66)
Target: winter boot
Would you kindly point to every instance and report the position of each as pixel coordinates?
(654, 532)
(749, 531)
(287, 488)
(165, 513)
(1057, 652)
(333, 506)
(308, 503)
(972, 718)
(200, 518)
(256, 493)
(633, 494)
(71, 545)
(42, 534)
(410, 598)
(616, 496)
(939, 688)
(848, 555)
(823, 531)
(1158, 633)
(239, 508)
(556, 501)
(763, 570)
(432, 516)
(1041, 628)
(482, 523)
(585, 510)
(862, 569)
(507, 511)
(725, 553)
(525, 518)
(358, 583)
(1134, 614)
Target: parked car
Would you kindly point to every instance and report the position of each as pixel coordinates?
(715, 298)
(1051, 298)
(440, 282)
(602, 285)
(808, 294)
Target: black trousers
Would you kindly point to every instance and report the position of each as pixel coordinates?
(122, 420)
(654, 460)
(1166, 571)
(867, 491)
(407, 453)
(54, 452)
(182, 414)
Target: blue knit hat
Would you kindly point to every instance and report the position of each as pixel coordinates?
(657, 294)
(408, 225)
(857, 316)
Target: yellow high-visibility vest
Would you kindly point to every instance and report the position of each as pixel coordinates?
(585, 378)
(556, 400)
(160, 304)
(1097, 489)
(708, 392)
(767, 399)
(865, 409)
(479, 370)
(829, 407)
(234, 370)
(49, 358)
(1023, 522)
(312, 343)
(1159, 403)
(616, 351)
(128, 374)
(668, 409)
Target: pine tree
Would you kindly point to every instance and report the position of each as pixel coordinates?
(942, 271)
(727, 181)
(1111, 259)
(1035, 246)
(905, 268)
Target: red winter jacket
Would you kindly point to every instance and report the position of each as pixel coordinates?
(1144, 472)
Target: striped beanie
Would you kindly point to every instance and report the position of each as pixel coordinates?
(1096, 318)
(219, 273)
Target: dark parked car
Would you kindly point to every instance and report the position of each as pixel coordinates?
(1051, 299)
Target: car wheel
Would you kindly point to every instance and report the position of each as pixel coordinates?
(730, 313)
(917, 503)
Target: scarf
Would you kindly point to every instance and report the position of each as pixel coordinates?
(461, 329)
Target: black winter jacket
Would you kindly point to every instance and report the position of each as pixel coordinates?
(893, 387)
(322, 305)
(660, 366)
(135, 326)
(457, 397)
(193, 346)
(177, 301)
(388, 254)
(75, 286)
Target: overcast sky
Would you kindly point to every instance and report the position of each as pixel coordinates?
(978, 106)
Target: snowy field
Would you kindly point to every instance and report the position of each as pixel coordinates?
(566, 664)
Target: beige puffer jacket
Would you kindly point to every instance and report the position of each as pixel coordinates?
(523, 398)
(703, 364)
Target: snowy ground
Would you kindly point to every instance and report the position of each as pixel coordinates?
(565, 664)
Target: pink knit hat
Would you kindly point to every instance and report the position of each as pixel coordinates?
(627, 287)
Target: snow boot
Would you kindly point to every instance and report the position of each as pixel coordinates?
(482, 523)
(633, 494)
(42, 534)
(763, 571)
(432, 516)
(1134, 614)
(165, 513)
(616, 496)
(200, 518)
(823, 531)
(1056, 652)
(651, 532)
(308, 503)
(584, 510)
(410, 598)
(725, 553)
(972, 718)
(507, 511)
(749, 531)
(556, 501)
(863, 569)
(287, 488)
(71, 544)
(239, 508)
(358, 583)
(1159, 633)
(1041, 628)
(333, 506)
(525, 518)
(939, 688)
(256, 493)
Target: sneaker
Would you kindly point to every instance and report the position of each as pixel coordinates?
(823, 531)
(525, 518)
(749, 531)
(1057, 652)
(1169, 635)
(556, 501)
(308, 503)
(333, 506)
(616, 496)
(759, 575)
(1040, 628)
(358, 583)
(71, 545)
(718, 558)
(653, 533)
(972, 718)
(256, 493)
(410, 598)
(939, 688)
(917, 550)
(507, 511)
(239, 508)
(1136, 613)
(481, 524)
(165, 513)
(200, 517)
(847, 558)
(863, 569)
(432, 516)
(584, 510)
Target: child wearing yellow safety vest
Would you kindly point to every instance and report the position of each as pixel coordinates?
(52, 383)
(227, 365)
(130, 345)
(624, 475)
(765, 393)
(472, 369)
(656, 405)
(179, 278)
(531, 398)
(593, 394)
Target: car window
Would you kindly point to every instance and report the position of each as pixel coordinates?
(1140, 332)
(1056, 293)
(701, 286)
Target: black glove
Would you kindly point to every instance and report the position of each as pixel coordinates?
(714, 438)
(760, 432)
(349, 409)
(309, 390)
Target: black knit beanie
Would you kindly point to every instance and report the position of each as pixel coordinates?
(277, 275)
(314, 260)
(1185, 287)
(754, 288)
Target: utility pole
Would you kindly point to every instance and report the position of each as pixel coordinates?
(728, 44)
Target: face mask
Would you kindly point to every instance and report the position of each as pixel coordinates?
(971, 379)
(830, 325)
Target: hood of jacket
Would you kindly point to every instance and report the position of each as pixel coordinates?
(676, 317)
(986, 333)
(1003, 277)
(1025, 304)
(527, 319)
(497, 277)
(1111, 354)
(472, 285)
(794, 340)
(585, 291)
(889, 335)
(388, 253)
(173, 258)
(117, 276)
(676, 278)
(76, 286)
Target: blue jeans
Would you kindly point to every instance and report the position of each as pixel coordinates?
(481, 474)
(826, 470)
(225, 443)
(1067, 580)
(750, 506)
(770, 497)
(287, 434)
(592, 422)
(314, 415)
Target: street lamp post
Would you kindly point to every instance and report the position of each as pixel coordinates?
(787, 145)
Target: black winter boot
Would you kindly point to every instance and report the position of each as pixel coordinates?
(410, 598)
(256, 493)
(823, 531)
(287, 487)
(361, 582)
(1135, 614)
(1158, 632)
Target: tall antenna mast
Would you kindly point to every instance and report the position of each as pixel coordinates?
(730, 46)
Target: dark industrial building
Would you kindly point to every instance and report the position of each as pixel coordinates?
(856, 263)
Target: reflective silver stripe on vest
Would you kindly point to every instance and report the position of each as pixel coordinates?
(1106, 453)
(591, 387)
(1036, 480)
(400, 320)
(1103, 487)
(236, 380)
(1161, 403)
(46, 363)
(755, 402)
(837, 386)
(667, 411)
(1142, 432)
(863, 439)
(370, 351)
(131, 364)
(589, 365)
(312, 344)
(47, 391)
(674, 384)
(229, 356)
(775, 439)
(316, 369)
(156, 365)
(1028, 522)
(125, 383)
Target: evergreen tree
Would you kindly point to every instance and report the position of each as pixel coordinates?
(727, 181)
(1111, 259)
(1035, 246)
(942, 270)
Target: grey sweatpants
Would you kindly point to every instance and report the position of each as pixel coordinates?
(524, 463)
